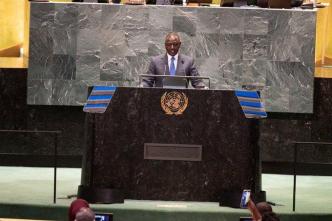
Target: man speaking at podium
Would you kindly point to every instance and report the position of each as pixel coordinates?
(172, 63)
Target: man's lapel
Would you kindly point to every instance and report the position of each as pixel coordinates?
(179, 66)
(165, 65)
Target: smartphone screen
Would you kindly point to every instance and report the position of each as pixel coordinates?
(103, 216)
(245, 198)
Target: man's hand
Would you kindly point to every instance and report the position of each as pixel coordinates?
(202, 87)
(256, 216)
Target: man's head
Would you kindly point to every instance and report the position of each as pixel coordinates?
(270, 216)
(172, 43)
(76, 206)
(264, 207)
(85, 214)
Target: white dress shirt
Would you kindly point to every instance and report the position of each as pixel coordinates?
(169, 57)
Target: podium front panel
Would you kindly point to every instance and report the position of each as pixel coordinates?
(135, 117)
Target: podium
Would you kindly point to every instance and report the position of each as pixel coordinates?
(136, 150)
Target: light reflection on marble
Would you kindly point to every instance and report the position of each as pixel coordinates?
(75, 45)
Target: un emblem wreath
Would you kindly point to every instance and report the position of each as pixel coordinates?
(174, 102)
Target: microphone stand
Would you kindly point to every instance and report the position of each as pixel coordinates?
(141, 76)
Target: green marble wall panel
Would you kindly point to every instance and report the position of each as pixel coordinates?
(75, 45)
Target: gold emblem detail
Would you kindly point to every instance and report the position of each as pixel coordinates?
(174, 102)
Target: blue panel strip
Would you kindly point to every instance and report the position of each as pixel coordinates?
(104, 88)
(262, 114)
(102, 93)
(103, 97)
(94, 109)
(251, 104)
(96, 105)
(249, 99)
(253, 109)
(99, 99)
(251, 94)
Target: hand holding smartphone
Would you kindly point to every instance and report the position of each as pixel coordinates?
(245, 198)
(244, 203)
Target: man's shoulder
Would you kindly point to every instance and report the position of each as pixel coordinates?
(186, 57)
(158, 57)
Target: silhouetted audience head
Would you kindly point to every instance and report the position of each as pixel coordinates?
(75, 207)
(85, 214)
(270, 216)
(264, 207)
(262, 211)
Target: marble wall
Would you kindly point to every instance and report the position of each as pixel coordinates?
(15, 114)
(278, 134)
(76, 45)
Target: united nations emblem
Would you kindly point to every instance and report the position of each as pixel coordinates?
(174, 102)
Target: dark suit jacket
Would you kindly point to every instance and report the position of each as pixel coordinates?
(159, 66)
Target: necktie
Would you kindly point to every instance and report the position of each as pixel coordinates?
(172, 67)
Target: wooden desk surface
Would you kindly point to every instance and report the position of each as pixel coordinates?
(7, 62)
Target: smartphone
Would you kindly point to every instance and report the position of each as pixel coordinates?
(245, 198)
(245, 218)
(103, 216)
